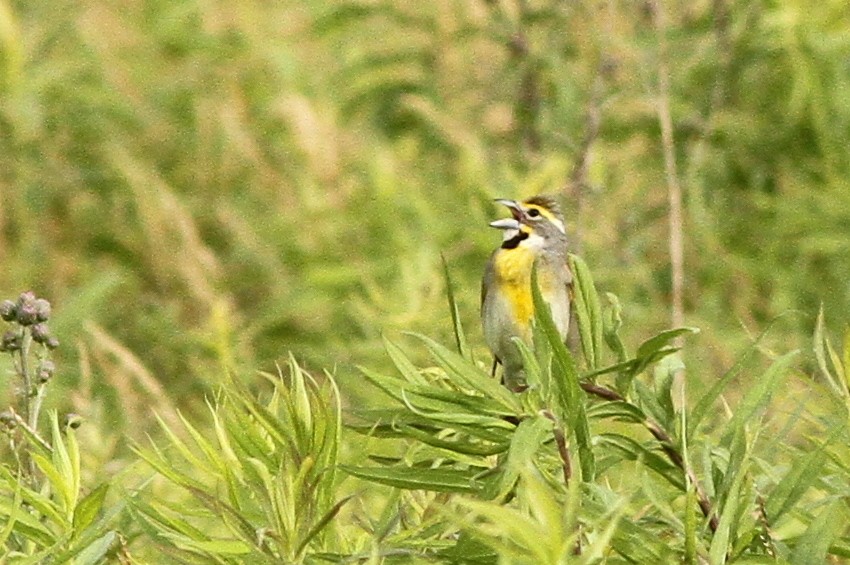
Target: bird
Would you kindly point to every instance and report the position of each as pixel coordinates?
(534, 234)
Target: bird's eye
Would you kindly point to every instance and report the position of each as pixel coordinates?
(534, 212)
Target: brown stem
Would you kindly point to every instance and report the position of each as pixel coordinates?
(674, 189)
(563, 449)
(566, 465)
(667, 445)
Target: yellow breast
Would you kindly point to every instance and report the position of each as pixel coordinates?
(513, 277)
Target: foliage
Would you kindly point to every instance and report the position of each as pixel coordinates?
(508, 460)
(47, 515)
(264, 489)
(202, 187)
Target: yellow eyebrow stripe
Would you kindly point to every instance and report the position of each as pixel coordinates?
(543, 211)
(546, 213)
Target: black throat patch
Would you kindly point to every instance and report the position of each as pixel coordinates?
(513, 242)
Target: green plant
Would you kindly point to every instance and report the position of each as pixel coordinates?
(48, 515)
(543, 476)
(263, 488)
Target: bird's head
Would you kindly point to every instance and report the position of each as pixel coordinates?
(535, 222)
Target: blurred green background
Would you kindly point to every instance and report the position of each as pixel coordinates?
(206, 186)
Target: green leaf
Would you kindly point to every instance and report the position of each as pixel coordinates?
(89, 507)
(525, 443)
(805, 472)
(215, 547)
(457, 446)
(724, 534)
(616, 410)
(322, 523)
(690, 525)
(657, 342)
(24, 523)
(40, 502)
(571, 397)
(95, 552)
(588, 311)
(460, 337)
(813, 546)
(465, 373)
(612, 322)
(703, 406)
(437, 480)
(407, 369)
(820, 343)
(632, 450)
(760, 393)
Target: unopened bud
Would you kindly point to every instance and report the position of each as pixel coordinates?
(51, 343)
(11, 341)
(45, 371)
(73, 421)
(42, 310)
(7, 420)
(40, 333)
(8, 310)
(26, 314)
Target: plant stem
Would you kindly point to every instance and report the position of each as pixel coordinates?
(674, 189)
(667, 445)
(24, 371)
(563, 448)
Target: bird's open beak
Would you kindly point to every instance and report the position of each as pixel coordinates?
(506, 224)
(509, 223)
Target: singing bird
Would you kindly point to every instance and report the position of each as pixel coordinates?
(534, 234)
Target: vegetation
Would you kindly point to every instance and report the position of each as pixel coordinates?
(235, 210)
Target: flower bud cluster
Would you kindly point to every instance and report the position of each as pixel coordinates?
(28, 313)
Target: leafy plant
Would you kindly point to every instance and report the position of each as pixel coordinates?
(263, 487)
(507, 461)
(48, 515)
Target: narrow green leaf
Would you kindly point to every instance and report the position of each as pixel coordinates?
(95, 552)
(525, 443)
(612, 322)
(89, 507)
(572, 398)
(40, 502)
(58, 484)
(180, 446)
(453, 400)
(588, 311)
(760, 393)
(407, 369)
(805, 472)
(632, 450)
(616, 410)
(459, 369)
(820, 340)
(690, 526)
(724, 534)
(322, 523)
(703, 406)
(24, 523)
(846, 357)
(661, 340)
(392, 386)
(460, 337)
(533, 373)
(457, 446)
(813, 546)
(437, 480)
(66, 464)
(215, 548)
